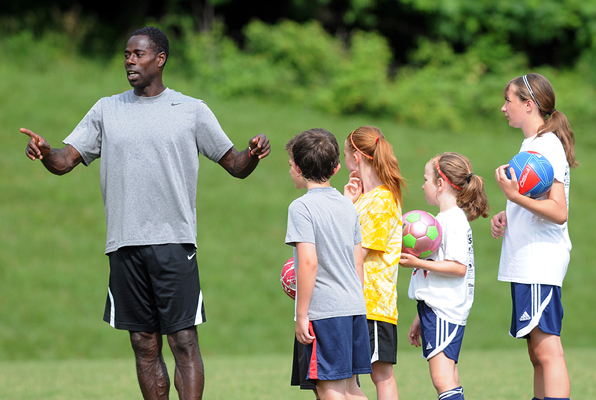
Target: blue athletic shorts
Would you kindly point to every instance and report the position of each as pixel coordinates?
(438, 335)
(154, 289)
(341, 348)
(535, 305)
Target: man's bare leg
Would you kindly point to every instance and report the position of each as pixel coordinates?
(151, 368)
(189, 377)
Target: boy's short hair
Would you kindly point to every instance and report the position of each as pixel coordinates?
(289, 146)
(316, 153)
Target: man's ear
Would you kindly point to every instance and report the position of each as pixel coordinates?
(162, 59)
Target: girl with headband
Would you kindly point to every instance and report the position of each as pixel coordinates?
(375, 186)
(443, 285)
(536, 245)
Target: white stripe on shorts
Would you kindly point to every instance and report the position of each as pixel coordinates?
(199, 315)
(375, 355)
(442, 336)
(537, 309)
(112, 309)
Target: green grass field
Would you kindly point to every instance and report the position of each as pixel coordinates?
(53, 274)
(484, 374)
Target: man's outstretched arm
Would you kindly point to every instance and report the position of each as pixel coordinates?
(241, 164)
(57, 161)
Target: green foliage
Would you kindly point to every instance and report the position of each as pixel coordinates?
(560, 33)
(530, 20)
(362, 84)
(451, 72)
(442, 88)
(305, 65)
(306, 50)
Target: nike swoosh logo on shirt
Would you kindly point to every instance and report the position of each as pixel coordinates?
(191, 256)
(175, 104)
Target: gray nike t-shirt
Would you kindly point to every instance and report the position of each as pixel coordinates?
(149, 149)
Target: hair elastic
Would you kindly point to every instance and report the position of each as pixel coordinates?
(445, 176)
(530, 90)
(377, 139)
(469, 177)
(552, 112)
(357, 149)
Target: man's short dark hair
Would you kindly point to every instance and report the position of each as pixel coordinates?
(316, 153)
(158, 38)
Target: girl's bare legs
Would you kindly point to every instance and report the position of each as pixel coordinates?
(551, 378)
(443, 373)
(384, 380)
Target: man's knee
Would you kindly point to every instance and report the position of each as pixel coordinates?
(184, 341)
(146, 345)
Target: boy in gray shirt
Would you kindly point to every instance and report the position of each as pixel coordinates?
(324, 230)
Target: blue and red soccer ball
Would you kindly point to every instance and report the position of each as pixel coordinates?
(534, 173)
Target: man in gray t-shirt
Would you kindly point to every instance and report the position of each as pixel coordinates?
(149, 140)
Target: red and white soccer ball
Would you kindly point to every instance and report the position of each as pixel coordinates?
(288, 278)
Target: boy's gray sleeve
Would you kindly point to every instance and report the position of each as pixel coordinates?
(300, 227)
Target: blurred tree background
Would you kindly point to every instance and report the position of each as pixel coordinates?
(425, 62)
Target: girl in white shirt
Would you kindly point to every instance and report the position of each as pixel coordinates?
(444, 284)
(536, 245)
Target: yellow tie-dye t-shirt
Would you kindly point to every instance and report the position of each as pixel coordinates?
(381, 224)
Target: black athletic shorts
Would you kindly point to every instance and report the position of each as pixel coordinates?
(154, 289)
(383, 341)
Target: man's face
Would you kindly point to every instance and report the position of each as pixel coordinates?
(142, 64)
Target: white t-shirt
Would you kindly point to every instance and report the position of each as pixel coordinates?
(536, 250)
(450, 297)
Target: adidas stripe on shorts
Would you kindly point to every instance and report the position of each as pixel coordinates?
(438, 335)
(154, 288)
(535, 305)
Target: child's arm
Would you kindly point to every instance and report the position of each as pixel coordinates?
(553, 208)
(305, 284)
(359, 253)
(414, 334)
(446, 267)
(498, 224)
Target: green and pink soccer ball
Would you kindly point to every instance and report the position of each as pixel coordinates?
(422, 234)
